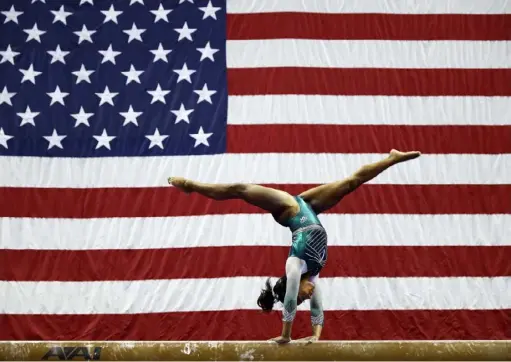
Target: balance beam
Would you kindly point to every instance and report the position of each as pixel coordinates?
(257, 351)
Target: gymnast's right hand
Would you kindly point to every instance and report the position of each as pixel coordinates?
(281, 340)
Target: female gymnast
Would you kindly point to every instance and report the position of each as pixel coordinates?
(308, 253)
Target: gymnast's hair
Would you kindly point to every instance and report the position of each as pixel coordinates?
(269, 296)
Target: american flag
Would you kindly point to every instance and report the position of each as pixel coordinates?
(102, 100)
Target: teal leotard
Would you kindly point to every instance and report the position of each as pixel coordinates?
(309, 238)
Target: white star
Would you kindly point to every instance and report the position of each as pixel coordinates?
(29, 74)
(107, 96)
(5, 96)
(209, 10)
(182, 114)
(182, 1)
(201, 137)
(132, 75)
(104, 140)
(205, 94)
(43, 1)
(207, 52)
(4, 138)
(156, 139)
(86, 1)
(8, 55)
(83, 74)
(12, 15)
(185, 32)
(55, 139)
(161, 14)
(60, 15)
(57, 96)
(34, 33)
(136, 1)
(82, 117)
(27, 117)
(159, 54)
(57, 55)
(109, 55)
(158, 94)
(111, 14)
(134, 33)
(84, 34)
(130, 116)
(184, 74)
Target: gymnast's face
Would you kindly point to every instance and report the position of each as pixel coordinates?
(306, 290)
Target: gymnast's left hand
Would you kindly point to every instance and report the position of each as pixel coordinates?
(281, 340)
(308, 340)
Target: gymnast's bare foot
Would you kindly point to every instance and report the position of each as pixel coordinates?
(404, 156)
(181, 183)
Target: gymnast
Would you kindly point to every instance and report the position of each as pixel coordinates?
(308, 253)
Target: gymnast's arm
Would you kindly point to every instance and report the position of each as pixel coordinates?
(317, 318)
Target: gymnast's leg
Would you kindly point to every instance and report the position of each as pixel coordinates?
(323, 197)
(279, 203)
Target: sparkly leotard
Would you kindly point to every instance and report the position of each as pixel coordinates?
(309, 238)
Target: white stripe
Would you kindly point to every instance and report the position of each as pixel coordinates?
(251, 230)
(366, 110)
(367, 53)
(372, 6)
(181, 295)
(252, 168)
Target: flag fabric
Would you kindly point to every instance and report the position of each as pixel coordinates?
(102, 100)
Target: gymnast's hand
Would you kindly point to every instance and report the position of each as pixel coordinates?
(308, 340)
(281, 340)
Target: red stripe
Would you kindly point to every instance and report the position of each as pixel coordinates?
(168, 201)
(368, 26)
(253, 325)
(369, 81)
(294, 138)
(219, 262)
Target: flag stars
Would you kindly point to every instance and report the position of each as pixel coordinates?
(84, 34)
(57, 96)
(132, 75)
(86, 1)
(184, 74)
(134, 33)
(136, 1)
(201, 138)
(209, 11)
(182, 114)
(109, 55)
(34, 33)
(82, 117)
(55, 140)
(60, 15)
(161, 14)
(27, 117)
(5, 96)
(158, 95)
(83, 75)
(8, 55)
(130, 116)
(185, 32)
(205, 94)
(4, 138)
(103, 140)
(111, 14)
(11, 15)
(160, 54)
(207, 52)
(156, 139)
(106, 97)
(58, 55)
(29, 74)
